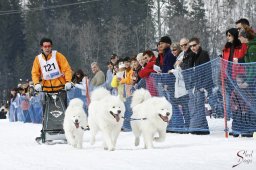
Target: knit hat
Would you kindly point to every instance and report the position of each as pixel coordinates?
(166, 39)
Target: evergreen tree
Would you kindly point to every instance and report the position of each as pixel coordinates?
(197, 12)
(36, 26)
(22, 69)
(12, 37)
(65, 41)
(176, 8)
(197, 16)
(178, 21)
(65, 26)
(187, 23)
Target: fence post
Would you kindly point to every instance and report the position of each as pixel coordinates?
(224, 99)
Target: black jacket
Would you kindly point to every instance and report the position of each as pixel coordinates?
(203, 71)
(187, 72)
(187, 61)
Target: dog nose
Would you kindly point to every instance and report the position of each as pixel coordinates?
(119, 111)
(167, 114)
(76, 121)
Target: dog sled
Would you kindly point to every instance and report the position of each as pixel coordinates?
(53, 116)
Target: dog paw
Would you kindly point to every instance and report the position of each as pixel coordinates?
(79, 147)
(92, 142)
(150, 147)
(137, 141)
(105, 146)
(158, 139)
(72, 143)
(111, 149)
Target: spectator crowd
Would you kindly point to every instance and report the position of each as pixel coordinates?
(180, 71)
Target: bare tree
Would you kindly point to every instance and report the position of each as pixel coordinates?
(116, 36)
(65, 39)
(159, 16)
(221, 15)
(88, 40)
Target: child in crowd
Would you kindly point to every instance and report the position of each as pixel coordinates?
(126, 80)
(119, 75)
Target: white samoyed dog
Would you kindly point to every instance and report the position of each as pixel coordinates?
(151, 116)
(106, 114)
(75, 122)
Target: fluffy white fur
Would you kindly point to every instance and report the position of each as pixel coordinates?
(105, 114)
(74, 122)
(156, 110)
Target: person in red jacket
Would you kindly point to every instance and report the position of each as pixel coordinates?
(151, 61)
(147, 70)
(233, 52)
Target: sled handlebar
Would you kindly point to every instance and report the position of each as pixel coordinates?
(53, 87)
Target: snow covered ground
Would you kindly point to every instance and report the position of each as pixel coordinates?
(19, 151)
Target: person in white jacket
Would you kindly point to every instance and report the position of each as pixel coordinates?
(81, 83)
(181, 97)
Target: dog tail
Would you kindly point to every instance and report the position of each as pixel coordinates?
(99, 93)
(139, 96)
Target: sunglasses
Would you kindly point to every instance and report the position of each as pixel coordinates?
(174, 49)
(146, 57)
(193, 45)
(47, 46)
(184, 45)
